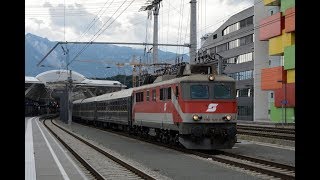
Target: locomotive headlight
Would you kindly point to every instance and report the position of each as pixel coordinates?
(228, 117)
(196, 117)
(211, 77)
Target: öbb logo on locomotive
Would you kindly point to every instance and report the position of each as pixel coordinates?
(212, 107)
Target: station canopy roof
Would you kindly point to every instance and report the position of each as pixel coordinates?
(56, 80)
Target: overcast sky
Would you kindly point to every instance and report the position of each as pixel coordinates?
(109, 20)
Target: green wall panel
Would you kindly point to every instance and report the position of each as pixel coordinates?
(289, 57)
(276, 114)
(285, 4)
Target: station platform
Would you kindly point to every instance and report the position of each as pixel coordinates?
(45, 157)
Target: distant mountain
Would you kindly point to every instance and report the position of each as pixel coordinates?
(37, 47)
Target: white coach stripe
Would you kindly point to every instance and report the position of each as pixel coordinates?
(30, 166)
(63, 172)
(68, 157)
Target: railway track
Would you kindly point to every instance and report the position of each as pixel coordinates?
(276, 133)
(267, 129)
(262, 166)
(254, 164)
(101, 164)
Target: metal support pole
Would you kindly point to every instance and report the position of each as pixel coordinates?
(69, 106)
(285, 101)
(69, 89)
(155, 33)
(193, 31)
(282, 114)
(220, 66)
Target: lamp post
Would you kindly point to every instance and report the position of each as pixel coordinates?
(284, 102)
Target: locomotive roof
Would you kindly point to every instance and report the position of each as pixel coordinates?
(195, 77)
(115, 95)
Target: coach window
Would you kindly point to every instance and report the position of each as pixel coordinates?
(169, 93)
(147, 95)
(154, 95)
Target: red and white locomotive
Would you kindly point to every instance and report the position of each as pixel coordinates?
(195, 110)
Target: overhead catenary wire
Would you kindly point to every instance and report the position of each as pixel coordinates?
(101, 31)
(94, 20)
(168, 16)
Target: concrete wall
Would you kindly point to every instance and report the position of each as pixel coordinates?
(261, 60)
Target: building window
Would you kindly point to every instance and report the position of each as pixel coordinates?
(245, 58)
(246, 22)
(214, 36)
(238, 76)
(281, 60)
(243, 92)
(246, 40)
(222, 47)
(232, 60)
(271, 95)
(237, 94)
(241, 58)
(250, 93)
(231, 28)
(234, 44)
(244, 110)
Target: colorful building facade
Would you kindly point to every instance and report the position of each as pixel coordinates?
(279, 30)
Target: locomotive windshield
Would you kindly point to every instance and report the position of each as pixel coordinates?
(199, 91)
(222, 91)
(208, 90)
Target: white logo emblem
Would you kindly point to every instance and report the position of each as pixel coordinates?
(212, 107)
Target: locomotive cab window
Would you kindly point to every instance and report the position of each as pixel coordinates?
(223, 91)
(169, 93)
(199, 91)
(161, 94)
(147, 95)
(154, 95)
(139, 97)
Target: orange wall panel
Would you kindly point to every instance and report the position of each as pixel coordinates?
(290, 95)
(270, 27)
(270, 76)
(290, 17)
